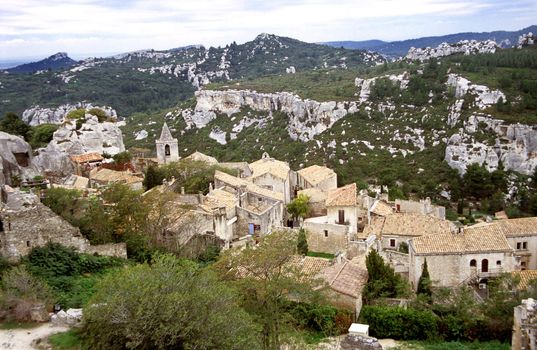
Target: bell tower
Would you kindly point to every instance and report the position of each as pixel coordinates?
(167, 148)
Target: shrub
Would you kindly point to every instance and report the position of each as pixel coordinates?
(99, 113)
(76, 114)
(41, 135)
(399, 323)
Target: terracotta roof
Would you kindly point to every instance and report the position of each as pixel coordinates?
(315, 194)
(374, 227)
(414, 224)
(271, 166)
(526, 277)
(343, 196)
(470, 241)
(308, 265)
(200, 157)
(381, 208)
(316, 174)
(236, 182)
(110, 176)
(512, 227)
(87, 157)
(347, 278)
(243, 167)
(78, 182)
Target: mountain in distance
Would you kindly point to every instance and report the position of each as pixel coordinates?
(57, 61)
(400, 48)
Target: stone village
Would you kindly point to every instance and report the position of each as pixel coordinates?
(344, 221)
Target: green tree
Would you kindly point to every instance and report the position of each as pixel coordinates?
(41, 135)
(382, 281)
(153, 177)
(477, 182)
(170, 304)
(302, 243)
(299, 207)
(267, 278)
(424, 283)
(122, 158)
(12, 124)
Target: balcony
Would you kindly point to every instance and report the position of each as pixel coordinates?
(492, 272)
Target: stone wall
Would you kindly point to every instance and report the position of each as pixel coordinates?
(525, 322)
(325, 237)
(118, 250)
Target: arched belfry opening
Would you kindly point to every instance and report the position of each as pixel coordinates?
(167, 150)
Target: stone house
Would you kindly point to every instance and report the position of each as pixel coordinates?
(471, 256)
(316, 176)
(273, 175)
(331, 233)
(317, 201)
(424, 207)
(259, 209)
(200, 157)
(524, 326)
(167, 146)
(103, 177)
(84, 163)
(521, 235)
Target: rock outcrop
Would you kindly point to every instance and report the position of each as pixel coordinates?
(364, 85)
(514, 145)
(307, 118)
(37, 115)
(466, 47)
(526, 40)
(15, 158)
(484, 97)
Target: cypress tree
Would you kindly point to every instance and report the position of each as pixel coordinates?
(424, 283)
(302, 244)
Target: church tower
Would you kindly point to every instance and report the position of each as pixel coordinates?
(167, 149)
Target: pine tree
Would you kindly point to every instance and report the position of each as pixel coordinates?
(424, 283)
(302, 243)
(152, 178)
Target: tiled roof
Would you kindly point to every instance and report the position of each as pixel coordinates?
(347, 278)
(200, 157)
(315, 174)
(381, 208)
(526, 277)
(87, 157)
(236, 182)
(315, 194)
(308, 265)
(220, 198)
(271, 166)
(343, 196)
(110, 176)
(469, 241)
(243, 167)
(374, 227)
(513, 227)
(413, 224)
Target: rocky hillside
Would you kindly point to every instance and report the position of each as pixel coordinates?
(505, 39)
(150, 80)
(413, 123)
(55, 62)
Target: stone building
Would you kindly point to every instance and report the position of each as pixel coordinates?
(424, 207)
(471, 256)
(274, 175)
(104, 177)
(316, 176)
(25, 223)
(167, 148)
(332, 232)
(525, 326)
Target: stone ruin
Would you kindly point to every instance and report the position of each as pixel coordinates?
(525, 326)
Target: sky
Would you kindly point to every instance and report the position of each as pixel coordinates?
(84, 28)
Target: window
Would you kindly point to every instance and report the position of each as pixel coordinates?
(1, 226)
(518, 245)
(392, 242)
(27, 243)
(341, 216)
(523, 265)
(326, 233)
(484, 265)
(167, 150)
(473, 263)
(524, 245)
(498, 263)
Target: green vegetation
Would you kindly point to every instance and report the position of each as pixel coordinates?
(382, 281)
(435, 345)
(69, 340)
(12, 124)
(321, 255)
(302, 243)
(41, 135)
(299, 208)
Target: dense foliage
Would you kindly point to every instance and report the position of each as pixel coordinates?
(382, 282)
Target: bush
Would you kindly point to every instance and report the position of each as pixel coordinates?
(41, 135)
(99, 113)
(324, 319)
(399, 323)
(76, 114)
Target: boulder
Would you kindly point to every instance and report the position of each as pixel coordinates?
(69, 318)
(39, 313)
(16, 157)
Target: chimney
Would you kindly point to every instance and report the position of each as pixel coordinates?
(182, 190)
(200, 197)
(210, 187)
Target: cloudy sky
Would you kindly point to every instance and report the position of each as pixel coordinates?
(38, 28)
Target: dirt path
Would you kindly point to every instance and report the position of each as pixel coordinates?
(21, 339)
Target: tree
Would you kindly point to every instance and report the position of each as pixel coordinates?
(267, 278)
(12, 124)
(477, 182)
(153, 177)
(41, 135)
(170, 304)
(382, 281)
(299, 207)
(302, 244)
(424, 283)
(122, 158)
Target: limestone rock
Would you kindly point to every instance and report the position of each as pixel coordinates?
(37, 115)
(69, 318)
(484, 96)
(39, 313)
(16, 157)
(307, 118)
(466, 47)
(54, 161)
(526, 40)
(364, 85)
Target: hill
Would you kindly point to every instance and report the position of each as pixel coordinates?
(57, 61)
(149, 80)
(400, 48)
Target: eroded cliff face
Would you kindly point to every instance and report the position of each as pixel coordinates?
(514, 145)
(15, 159)
(307, 118)
(37, 115)
(466, 47)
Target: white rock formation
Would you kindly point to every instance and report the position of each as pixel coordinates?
(364, 85)
(514, 145)
(218, 135)
(466, 47)
(37, 115)
(140, 135)
(526, 40)
(484, 96)
(290, 70)
(307, 118)
(15, 158)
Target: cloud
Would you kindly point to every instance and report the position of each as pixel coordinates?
(116, 25)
